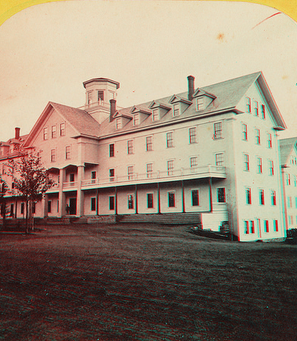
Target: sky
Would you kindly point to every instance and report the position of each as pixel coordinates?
(150, 47)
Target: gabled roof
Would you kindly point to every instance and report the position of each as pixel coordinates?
(81, 121)
(286, 146)
(227, 96)
(140, 108)
(200, 92)
(176, 98)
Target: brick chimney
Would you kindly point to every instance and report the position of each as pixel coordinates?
(113, 103)
(191, 89)
(17, 133)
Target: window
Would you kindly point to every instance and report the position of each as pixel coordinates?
(130, 201)
(263, 111)
(62, 129)
(269, 140)
(155, 115)
(130, 172)
(195, 197)
(111, 175)
(57, 205)
(290, 220)
(111, 203)
(130, 147)
(271, 167)
(244, 132)
(288, 179)
(252, 226)
(248, 105)
(49, 206)
(34, 207)
(246, 227)
(248, 193)
(275, 225)
(295, 202)
(256, 108)
(149, 143)
(261, 197)
(169, 140)
(93, 204)
(259, 165)
(53, 155)
(257, 135)
(150, 200)
(266, 224)
(273, 198)
(71, 177)
(170, 167)
(200, 103)
(136, 119)
(220, 159)
(192, 135)
(54, 132)
(289, 199)
(171, 199)
(111, 150)
(93, 177)
(68, 153)
(193, 162)
(149, 170)
(221, 194)
(58, 179)
(217, 130)
(45, 133)
(22, 208)
(176, 110)
(118, 123)
(100, 96)
(246, 162)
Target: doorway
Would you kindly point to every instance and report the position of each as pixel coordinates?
(72, 206)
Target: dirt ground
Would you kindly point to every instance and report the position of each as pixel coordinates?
(144, 282)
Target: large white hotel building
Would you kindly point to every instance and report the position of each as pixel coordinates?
(206, 155)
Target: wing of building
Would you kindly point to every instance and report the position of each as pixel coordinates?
(288, 156)
(208, 155)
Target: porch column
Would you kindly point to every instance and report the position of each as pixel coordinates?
(80, 194)
(159, 199)
(62, 196)
(183, 196)
(116, 201)
(136, 200)
(45, 208)
(97, 202)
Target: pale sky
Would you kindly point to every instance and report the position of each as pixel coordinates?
(49, 50)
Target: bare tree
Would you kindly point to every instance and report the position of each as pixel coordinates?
(3, 189)
(31, 180)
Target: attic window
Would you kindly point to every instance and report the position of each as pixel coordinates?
(200, 103)
(100, 96)
(118, 123)
(89, 95)
(45, 133)
(155, 116)
(176, 110)
(136, 119)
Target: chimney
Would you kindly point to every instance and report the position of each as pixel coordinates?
(112, 109)
(190, 87)
(17, 133)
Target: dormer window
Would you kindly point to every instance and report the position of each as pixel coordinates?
(155, 116)
(200, 103)
(136, 119)
(176, 110)
(118, 123)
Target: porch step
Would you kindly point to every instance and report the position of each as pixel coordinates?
(165, 218)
